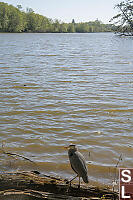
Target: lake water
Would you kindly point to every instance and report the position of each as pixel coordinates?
(57, 89)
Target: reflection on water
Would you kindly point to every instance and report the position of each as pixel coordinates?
(57, 89)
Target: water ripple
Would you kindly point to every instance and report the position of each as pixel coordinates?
(58, 89)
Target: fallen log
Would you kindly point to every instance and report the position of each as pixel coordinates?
(36, 186)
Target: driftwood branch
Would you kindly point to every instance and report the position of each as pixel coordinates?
(14, 155)
(38, 186)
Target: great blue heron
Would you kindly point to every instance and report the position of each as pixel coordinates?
(78, 164)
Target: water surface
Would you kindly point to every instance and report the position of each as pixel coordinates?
(57, 89)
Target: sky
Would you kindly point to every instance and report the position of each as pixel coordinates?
(66, 10)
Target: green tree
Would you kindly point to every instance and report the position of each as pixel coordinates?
(63, 28)
(14, 19)
(33, 22)
(71, 28)
(56, 26)
(4, 17)
(73, 21)
(124, 19)
(11, 19)
(82, 28)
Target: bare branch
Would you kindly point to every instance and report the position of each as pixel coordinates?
(14, 154)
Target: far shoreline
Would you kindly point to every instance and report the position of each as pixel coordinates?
(54, 32)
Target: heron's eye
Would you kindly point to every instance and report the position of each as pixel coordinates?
(71, 154)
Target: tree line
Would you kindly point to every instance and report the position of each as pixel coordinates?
(14, 19)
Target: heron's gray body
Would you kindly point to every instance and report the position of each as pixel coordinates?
(78, 164)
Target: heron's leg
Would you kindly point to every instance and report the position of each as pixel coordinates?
(79, 182)
(73, 179)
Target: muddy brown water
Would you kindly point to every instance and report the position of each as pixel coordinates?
(57, 89)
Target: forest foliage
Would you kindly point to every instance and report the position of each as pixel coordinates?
(124, 19)
(15, 19)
